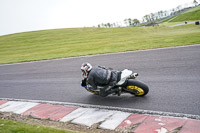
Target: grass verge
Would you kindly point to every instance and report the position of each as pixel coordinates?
(60, 43)
(191, 15)
(10, 126)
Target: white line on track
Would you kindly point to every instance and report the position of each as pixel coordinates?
(146, 50)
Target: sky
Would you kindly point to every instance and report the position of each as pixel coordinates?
(31, 15)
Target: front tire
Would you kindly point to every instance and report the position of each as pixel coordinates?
(136, 87)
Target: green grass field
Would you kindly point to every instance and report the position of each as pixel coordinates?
(60, 43)
(193, 14)
(8, 126)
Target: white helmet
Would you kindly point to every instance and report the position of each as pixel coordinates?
(86, 68)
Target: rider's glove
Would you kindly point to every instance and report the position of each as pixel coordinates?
(84, 86)
(83, 83)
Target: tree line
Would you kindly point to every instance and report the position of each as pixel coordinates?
(127, 22)
(149, 17)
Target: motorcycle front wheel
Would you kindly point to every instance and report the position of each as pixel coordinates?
(136, 87)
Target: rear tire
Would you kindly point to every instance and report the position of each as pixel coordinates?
(137, 88)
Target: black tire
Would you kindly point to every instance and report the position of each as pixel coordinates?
(136, 87)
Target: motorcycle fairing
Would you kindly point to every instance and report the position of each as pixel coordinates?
(125, 74)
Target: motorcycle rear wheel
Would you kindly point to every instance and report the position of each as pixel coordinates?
(137, 88)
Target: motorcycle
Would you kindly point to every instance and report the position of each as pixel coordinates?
(127, 84)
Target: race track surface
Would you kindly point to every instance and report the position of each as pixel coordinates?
(172, 74)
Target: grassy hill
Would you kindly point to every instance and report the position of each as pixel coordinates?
(60, 43)
(193, 14)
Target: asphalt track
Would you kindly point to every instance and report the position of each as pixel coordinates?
(172, 74)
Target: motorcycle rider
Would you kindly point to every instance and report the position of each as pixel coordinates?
(100, 76)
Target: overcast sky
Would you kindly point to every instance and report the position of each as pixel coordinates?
(30, 15)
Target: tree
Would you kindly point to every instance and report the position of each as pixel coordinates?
(109, 25)
(136, 22)
(126, 22)
(152, 17)
(165, 13)
(162, 13)
(173, 12)
(195, 2)
(178, 9)
(159, 14)
(130, 22)
(147, 18)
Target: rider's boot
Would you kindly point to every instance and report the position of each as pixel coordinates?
(119, 91)
(103, 92)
